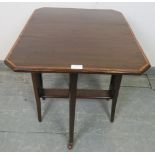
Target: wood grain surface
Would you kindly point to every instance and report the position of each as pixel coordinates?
(56, 38)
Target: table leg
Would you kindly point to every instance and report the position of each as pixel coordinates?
(72, 105)
(37, 85)
(114, 87)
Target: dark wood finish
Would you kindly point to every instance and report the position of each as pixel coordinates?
(55, 38)
(73, 93)
(37, 85)
(72, 105)
(81, 93)
(114, 88)
(41, 85)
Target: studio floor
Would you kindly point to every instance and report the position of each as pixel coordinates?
(132, 130)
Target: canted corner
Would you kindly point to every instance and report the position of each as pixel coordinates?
(144, 68)
(10, 64)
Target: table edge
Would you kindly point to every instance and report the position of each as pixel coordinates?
(10, 63)
(69, 70)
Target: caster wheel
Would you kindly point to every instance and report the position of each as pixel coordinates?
(111, 120)
(40, 119)
(43, 98)
(70, 146)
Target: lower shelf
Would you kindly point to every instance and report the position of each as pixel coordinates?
(81, 93)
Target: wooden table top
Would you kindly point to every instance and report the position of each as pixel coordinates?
(98, 41)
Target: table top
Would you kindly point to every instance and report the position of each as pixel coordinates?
(77, 40)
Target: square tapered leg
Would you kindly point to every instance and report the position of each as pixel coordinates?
(72, 105)
(114, 88)
(37, 85)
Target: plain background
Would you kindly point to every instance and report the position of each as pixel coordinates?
(140, 16)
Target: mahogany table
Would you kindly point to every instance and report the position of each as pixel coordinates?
(61, 40)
